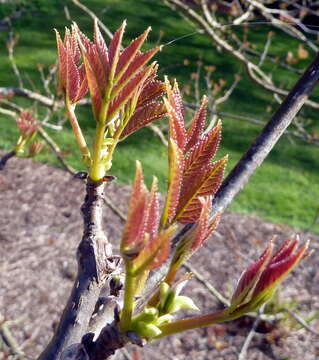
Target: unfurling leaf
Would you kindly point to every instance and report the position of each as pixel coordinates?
(176, 168)
(143, 244)
(261, 279)
(196, 149)
(194, 238)
(72, 79)
(134, 228)
(114, 75)
(207, 182)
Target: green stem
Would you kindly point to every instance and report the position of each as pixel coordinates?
(128, 307)
(77, 131)
(195, 322)
(97, 170)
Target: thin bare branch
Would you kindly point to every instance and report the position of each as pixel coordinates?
(213, 30)
(212, 290)
(11, 91)
(94, 17)
(271, 133)
(302, 322)
(56, 150)
(243, 352)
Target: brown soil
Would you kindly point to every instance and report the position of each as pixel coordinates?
(40, 226)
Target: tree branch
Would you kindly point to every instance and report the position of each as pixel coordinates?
(95, 264)
(253, 158)
(5, 158)
(11, 91)
(269, 136)
(214, 30)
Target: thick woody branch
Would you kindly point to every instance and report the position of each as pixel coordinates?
(95, 264)
(5, 158)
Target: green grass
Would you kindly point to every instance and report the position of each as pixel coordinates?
(284, 189)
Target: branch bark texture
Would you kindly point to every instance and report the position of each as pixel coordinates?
(95, 264)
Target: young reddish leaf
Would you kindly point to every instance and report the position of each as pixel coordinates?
(175, 112)
(96, 96)
(280, 266)
(261, 279)
(114, 49)
(152, 222)
(133, 234)
(61, 61)
(27, 124)
(152, 90)
(205, 183)
(83, 84)
(176, 167)
(287, 248)
(157, 251)
(101, 47)
(134, 68)
(201, 228)
(202, 153)
(72, 78)
(129, 53)
(250, 277)
(194, 238)
(142, 116)
(196, 127)
(128, 92)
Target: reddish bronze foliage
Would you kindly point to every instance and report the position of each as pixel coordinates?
(192, 174)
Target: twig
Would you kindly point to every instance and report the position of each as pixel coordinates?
(11, 41)
(207, 285)
(243, 352)
(55, 148)
(116, 210)
(9, 339)
(95, 264)
(157, 131)
(269, 136)
(302, 322)
(94, 17)
(253, 158)
(213, 29)
(11, 91)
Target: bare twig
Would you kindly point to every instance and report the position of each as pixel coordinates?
(207, 285)
(94, 17)
(8, 338)
(11, 91)
(271, 133)
(214, 30)
(57, 151)
(243, 352)
(11, 42)
(302, 136)
(157, 131)
(302, 322)
(115, 209)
